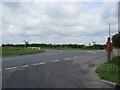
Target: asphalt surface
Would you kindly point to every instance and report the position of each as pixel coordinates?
(53, 69)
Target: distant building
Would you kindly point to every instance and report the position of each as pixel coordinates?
(37, 48)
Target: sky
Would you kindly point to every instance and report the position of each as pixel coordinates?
(58, 22)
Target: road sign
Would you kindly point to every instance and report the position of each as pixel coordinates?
(107, 47)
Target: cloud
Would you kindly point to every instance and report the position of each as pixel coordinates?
(13, 30)
(64, 22)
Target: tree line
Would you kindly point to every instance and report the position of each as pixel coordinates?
(95, 46)
(115, 40)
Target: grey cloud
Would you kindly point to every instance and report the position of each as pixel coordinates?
(55, 22)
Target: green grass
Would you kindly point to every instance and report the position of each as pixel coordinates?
(67, 48)
(16, 51)
(110, 70)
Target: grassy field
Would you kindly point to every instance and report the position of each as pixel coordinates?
(16, 51)
(110, 70)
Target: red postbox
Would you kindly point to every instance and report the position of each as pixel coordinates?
(111, 48)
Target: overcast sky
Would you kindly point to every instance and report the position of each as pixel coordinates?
(58, 22)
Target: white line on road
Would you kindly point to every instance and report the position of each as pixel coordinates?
(92, 52)
(25, 66)
(76, 57)
(10, 68)
(36, 64)
(56, 60)
(42, 62)
(0, 70)
(67, 59)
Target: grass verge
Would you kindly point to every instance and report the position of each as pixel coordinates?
(110, 70)
(17, 51)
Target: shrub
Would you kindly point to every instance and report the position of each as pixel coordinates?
(116, 40)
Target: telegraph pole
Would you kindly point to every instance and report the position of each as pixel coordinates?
(109, 53)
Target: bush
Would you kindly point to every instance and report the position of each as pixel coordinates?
(116, 40)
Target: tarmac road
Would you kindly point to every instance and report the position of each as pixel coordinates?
(53, 69)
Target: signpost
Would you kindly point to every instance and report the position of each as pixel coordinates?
(108, 49)
(108, 46)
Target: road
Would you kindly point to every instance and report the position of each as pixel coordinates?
(53, 69)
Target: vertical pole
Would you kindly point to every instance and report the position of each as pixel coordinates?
(109, 54)
(109, 30)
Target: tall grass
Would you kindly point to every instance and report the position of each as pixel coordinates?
(110, 70)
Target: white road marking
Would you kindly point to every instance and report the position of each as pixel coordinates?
(25, 66)
(42, 63)
(67, 59)
(0, 70)
(76, 57)
(56, 60)
(10, 68)
(36, 64)
(92, 52)
(88, 51)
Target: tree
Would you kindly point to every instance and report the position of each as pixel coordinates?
(116, 40)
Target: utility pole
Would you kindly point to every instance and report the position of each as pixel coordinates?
(118, 17)
(108, 41)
